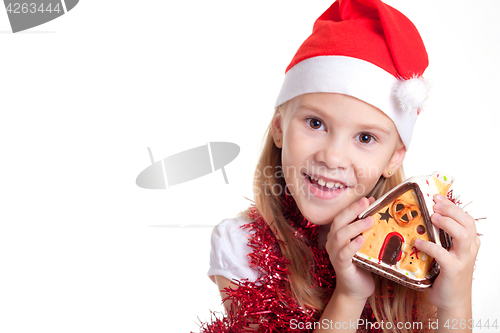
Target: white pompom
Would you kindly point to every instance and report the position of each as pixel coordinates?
(411, 94)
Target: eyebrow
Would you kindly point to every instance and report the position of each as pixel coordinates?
(309, 107)
(376, 127)
(323, 114)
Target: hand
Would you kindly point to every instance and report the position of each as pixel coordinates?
(453, 286)
(352, 281)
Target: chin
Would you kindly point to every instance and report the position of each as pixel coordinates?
(317, 216)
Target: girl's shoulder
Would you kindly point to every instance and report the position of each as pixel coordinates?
(229, 250)
(232, 225)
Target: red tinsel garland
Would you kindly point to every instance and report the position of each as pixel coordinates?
(267, 301)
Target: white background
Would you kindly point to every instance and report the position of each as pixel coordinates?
(83, 249)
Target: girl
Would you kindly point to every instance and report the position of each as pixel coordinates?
(342, 125)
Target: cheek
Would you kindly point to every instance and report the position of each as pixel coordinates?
(287, 164)
(291, 175)
(371, 166)
(367, 175)
(365, 187)
(294, 161)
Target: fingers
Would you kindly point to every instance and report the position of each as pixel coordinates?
(433, 250)
(460, 225)
(347, 234)
(345, 239)
(343, 230)
(447, 208)
(345, 254)
(351, 213)
(461, 237)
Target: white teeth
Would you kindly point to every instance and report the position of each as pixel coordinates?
(322, 182)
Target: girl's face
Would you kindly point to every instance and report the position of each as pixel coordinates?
(334, 150)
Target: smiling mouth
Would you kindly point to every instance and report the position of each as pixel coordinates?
(325, 185)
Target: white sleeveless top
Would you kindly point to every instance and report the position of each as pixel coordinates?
(229, 251)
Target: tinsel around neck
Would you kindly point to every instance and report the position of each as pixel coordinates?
(268, 300)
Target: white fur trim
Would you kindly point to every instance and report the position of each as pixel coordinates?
(349, 76)
(411, 94)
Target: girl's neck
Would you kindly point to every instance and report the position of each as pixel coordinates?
(323, 231)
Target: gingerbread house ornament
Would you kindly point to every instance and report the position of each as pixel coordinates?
(401, 216)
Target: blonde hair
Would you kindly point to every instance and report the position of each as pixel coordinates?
(302, 285)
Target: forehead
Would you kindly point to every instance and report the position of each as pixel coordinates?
(338, 107)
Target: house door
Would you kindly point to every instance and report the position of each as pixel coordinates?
(390, 253)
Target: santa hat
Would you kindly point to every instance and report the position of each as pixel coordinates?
(368, 50)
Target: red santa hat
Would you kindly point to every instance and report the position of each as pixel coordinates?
(368, 50)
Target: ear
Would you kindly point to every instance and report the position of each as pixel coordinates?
(396, 160)
(276, 128)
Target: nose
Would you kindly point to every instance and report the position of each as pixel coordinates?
(334, 152)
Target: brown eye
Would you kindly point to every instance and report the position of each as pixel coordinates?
(315, 123)
(365, 138)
